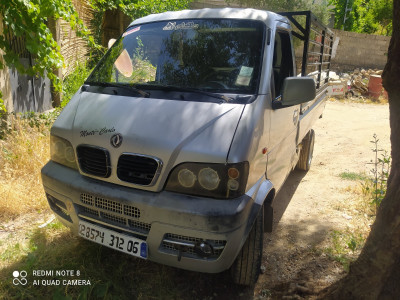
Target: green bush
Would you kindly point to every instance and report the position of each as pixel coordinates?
(380, 173)
(2, 106)
(73, 82)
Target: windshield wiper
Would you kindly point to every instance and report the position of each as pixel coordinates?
(120, 85)
(189, 90)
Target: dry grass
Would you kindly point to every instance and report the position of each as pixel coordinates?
(23, 152)
(359, 206)
(346, 244)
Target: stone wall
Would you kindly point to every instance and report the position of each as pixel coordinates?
(358, 50)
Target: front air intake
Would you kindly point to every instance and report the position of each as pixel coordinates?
(94, 160)
(138, 169)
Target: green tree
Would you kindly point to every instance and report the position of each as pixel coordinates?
(340, 12)
(382, 12)
(28, 20)
(133, 9)
(365, 16)
(140, 8)
(319, 8)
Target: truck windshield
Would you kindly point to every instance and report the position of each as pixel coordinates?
(219, 56)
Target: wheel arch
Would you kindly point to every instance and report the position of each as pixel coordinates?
(265, 196)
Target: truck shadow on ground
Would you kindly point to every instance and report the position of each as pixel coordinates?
(115, 275)
(294, 261)
(286, 193)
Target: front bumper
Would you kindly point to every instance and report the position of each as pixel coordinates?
(169, 222)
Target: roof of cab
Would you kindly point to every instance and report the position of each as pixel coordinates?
(209, 13)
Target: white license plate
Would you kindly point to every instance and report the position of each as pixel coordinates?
(112, 239)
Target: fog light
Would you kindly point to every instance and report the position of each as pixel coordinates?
(203, 249)
(233, 185)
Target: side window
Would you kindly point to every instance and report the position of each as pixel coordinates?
(282, 61)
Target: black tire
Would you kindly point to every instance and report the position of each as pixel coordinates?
(246, 267)
(306, 152)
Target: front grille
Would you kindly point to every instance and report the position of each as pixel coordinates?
(139, 226)
(112, 212)
(131, 211)
(94, 160)
(173, 243)
(124, 224)
(113, 218)
(138, 169)
(87, 199)
(110, 205)
(89, 211)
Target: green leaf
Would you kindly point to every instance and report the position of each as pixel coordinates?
(59, 295)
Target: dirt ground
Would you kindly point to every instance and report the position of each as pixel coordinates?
(306, 206)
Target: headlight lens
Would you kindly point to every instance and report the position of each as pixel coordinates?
(209, 179)
(222, 181)
(186, 178)
(62, 152)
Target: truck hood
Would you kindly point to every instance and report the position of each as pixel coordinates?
(170, 130)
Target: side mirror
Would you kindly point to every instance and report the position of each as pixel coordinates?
(111, 42)
(297, 90)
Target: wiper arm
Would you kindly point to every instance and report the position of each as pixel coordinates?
(190, 90)
(120, 85)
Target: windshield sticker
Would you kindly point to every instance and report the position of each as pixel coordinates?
(244, 76)
(183, 25)
(131, 31)
(104, 130)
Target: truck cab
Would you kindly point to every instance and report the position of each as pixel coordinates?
(175, 146)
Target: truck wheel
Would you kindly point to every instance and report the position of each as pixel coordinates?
(306, 153)
(246, 267)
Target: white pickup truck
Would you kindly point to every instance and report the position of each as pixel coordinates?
(176, 145)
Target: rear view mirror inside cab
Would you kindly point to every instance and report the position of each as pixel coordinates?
(124, 64)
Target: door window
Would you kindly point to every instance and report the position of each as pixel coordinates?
(282, 61)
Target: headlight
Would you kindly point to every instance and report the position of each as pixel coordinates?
(186, 178)
(62, 152)
(209, 179)
(222, 181)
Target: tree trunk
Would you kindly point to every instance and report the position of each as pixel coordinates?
(376, 273)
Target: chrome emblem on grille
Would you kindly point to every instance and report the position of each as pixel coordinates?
(116, 140)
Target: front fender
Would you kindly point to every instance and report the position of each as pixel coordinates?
(263, 192)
